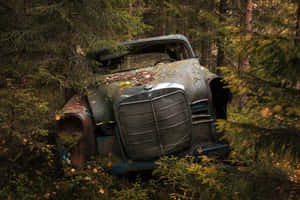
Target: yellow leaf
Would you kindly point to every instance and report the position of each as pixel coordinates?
(266, 112)
(127, 83)
(199, 150)
(277, 108)
(101, 191)
(47, 195)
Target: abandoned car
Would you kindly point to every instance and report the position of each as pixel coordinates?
(157, 100)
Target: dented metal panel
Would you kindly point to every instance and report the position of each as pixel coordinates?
(75, 131)
(188, 73)
(138, 115)
(101, 107)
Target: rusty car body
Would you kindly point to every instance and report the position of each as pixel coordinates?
(158, 101)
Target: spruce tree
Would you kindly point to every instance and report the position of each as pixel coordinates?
(42, 49)
(264, 134)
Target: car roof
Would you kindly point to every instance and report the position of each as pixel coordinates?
(175, 38)
(162, 40)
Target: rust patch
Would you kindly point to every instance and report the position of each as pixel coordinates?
(136, 77)
(75, 131)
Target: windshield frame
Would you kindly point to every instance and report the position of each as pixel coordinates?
(141, 46)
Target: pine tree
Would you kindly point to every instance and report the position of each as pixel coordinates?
(265, 133)
(42, 49)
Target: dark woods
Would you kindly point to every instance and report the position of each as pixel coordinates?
(254, 44)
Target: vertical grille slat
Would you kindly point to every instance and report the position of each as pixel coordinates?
(165, 126)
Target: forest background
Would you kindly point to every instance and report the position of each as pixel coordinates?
(254, 44)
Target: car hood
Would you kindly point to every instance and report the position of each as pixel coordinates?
(112, 88)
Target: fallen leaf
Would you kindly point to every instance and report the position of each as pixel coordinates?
(147, 76)
(121, 90)
(101, 191)
(109, 164)
(266, 112)
(199, 150)
(47, 195)
(38, 172)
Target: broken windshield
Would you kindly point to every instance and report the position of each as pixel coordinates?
(135, 57)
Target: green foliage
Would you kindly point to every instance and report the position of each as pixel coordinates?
(87, 182)
(270, 117)
(263, 132)
(43, 45)
(185, 179)
(42, 49)
(136, 192)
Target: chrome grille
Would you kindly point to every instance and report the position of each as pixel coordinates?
(200, 112)
(155, 123)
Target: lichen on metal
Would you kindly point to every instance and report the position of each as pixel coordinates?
(165, 104)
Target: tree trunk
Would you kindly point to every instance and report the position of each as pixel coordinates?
(220, 41)
(130, 10)
(248, 27)
(245, 58)
(297, 41)
(162, 25)
(248, 18)
(211, 42)
(204, 53)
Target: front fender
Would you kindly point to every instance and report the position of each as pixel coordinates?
(221, 95)
(101, 106)
(75, 132)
